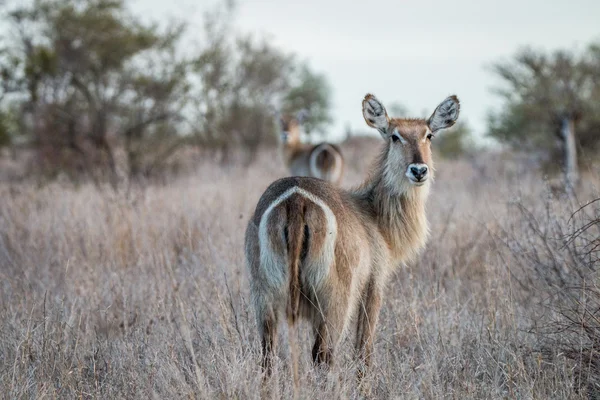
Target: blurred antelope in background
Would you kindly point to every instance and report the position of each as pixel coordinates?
(323, 253)
(323, 161)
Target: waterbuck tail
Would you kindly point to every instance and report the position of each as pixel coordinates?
(297, 235)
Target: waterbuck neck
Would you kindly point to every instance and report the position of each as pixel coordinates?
(398, 208)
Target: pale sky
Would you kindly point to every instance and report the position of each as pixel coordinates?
(412, 52)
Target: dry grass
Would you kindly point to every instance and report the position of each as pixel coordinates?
(145, 295)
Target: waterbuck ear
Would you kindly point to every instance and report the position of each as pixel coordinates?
(375, 114)
(445, 115)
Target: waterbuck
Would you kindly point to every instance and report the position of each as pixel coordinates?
(323, 160)
(319, 252)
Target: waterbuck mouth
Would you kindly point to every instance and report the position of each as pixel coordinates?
(415, 182)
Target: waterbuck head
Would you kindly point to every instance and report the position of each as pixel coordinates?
(407, 160)
(290, 127)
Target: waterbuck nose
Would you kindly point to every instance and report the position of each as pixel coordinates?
(419, 171)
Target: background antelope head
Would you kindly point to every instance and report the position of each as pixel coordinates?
(290, 127)
(408, 158)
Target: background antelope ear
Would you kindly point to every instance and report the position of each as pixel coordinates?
(302, 115)
(445, 115)
(375, 114)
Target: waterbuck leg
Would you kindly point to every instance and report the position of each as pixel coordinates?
(268, 331)
(321, 352)
(329, 329)
(368, 314)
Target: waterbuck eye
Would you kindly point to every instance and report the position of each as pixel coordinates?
(429, 136)
(395, 138)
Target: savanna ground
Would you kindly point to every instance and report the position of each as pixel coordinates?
(144, 293)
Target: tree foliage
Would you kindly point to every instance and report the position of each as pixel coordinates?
(94, 76)
(455, 142)
(539, 91)
(97, 86)
(243, 80)
(311, 92)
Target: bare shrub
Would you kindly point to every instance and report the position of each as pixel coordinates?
(556, 264)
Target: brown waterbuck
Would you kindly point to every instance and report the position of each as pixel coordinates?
(318, 252)
(323, 161)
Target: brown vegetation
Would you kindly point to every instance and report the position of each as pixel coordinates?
(145, 294)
